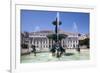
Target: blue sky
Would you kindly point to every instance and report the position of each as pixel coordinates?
(32, 20)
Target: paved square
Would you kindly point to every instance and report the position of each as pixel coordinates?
(71, 55)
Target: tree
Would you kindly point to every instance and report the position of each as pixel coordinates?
(25, 40)
(84, 42)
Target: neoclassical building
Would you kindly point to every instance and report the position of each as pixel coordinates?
(43, 43)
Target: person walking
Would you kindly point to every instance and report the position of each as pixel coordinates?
(34, 50)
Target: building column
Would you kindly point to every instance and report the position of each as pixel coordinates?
(47, 43)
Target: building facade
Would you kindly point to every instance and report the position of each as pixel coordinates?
(43, 43)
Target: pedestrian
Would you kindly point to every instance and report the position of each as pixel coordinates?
(78, 49)
(34, 50)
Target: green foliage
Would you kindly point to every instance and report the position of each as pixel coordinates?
(84, 42)
(24, 46)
